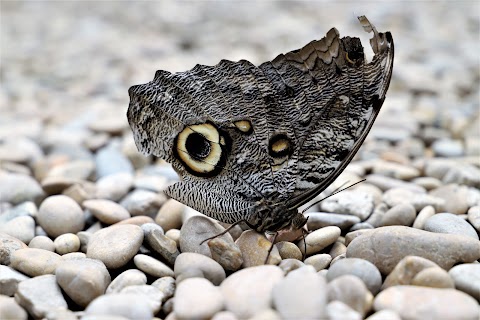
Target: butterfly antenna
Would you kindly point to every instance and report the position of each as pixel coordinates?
(333, 193)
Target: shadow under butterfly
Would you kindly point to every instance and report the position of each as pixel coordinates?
(254, 143)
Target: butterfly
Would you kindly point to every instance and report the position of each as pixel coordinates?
(254, 143)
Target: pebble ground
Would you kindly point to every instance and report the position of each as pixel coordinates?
(86, 232)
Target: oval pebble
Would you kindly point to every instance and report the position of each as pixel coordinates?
(200, 293)
(319, 261)
(9, 309)
(131, 277)
(152, 266)
(350, 290)
(288, 250)
(125, 305)
(8, 245)
(433, 278)
(115, 186)
(402, 214)
(451, 224)
(116, 245)
(423, 216)
(22, 228)
(42, 242)
(9, 280)
(467, 278)
(226, 253)
(319, 239)
(170, 215)
(106, 211)
(207, 267)
(17, 188)
(67, 243)
(35, 262)
(254, 247)
(288, 265)
(474, 217)
(363, 269)
(406, 270)
(60, 214)
(455, 197)
(337, 310)
(151, 294)
(317, 220)
(355, 203)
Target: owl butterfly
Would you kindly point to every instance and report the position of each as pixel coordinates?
(254, 143)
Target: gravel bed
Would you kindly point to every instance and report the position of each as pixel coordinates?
(87, 233)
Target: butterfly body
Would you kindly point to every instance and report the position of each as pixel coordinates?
(254, 143)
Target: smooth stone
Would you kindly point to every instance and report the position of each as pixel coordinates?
(361, 226)
(151, 183)
(402, 214)
(82, 191)
(152, 266)
(463, 174)
(337, 249)
(370, 189)
(226, 253)
(166, 285)
(428, 183)
(301, 287)
(266, 314)
(17, 188)
(354, 203)
(9, 309)
(74, 255)
(170, 215)
(84, 238)
(375, 219)
(108, 160)
(455, 197)
(142, 202)
(138, 221)
(165, 247)
(224, 315)
(467, 279)
(22, 228)
(435, 303)
(319, 239)
(125, 305)
(35, 262)
(363, 269)
(200, 293)
(337, 310)
(72, 171)
(450, 224)
(42, 242)
(67, 243)
(206, 267)
(9, 280)
(317, 220)
(8, 245)
(447, 148)
(115, 186)
(288, 265)
(350, 290)
(384, 315)
(474, 217)
(26, 208)
(196, 230)
(174, 234)
(82, 279)
(254, 247)
(60, 214)
(130, 277)
(386, 246)
(151, 294)
(423, 216)
(116, 245)
(406, 270)
(349, 237)
(40, 295)
(387, 183)
(243, 296)
(106, 211)
(319, 261)
(418, 200)
(395, 170)
(288, 250)
(433, 278)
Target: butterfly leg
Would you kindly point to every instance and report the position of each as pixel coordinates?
(271, 247)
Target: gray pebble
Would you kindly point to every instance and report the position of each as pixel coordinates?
(106, 211)
(288, 265)
(60, 214)
(319, 239)
(206, 267)
(337, 310)
(385, 314)
(448, 148)
(22, 228)
(42, 242)
(152, 266)
(355, 203)
(115, 245)
(387, 183)
(288, 250)
(337, 249)
(170, 215)
(150, 227)
(166, 285)
(166, 247)
(451, 224)
(109, 160)
(433, 278)
(465, 174)
(467, 278)
(319, 261)
(40, 295)
(455, 198)
(423, 216)
(35, 262)
(350, 290)
(18, 188)
(71, 172)
(224, 315)
(74, 255)
(150, 182)
(126, 305)
(266, 314)
(402, 214)
(254, 247)
(131, 277)
(226, 253)
(301, 287)
(82, 279)
(142, 202)
(428, 183)
(349, 237)
(8, 245)
(67, 243)
(153, 296)
(200, 293)
(81, 191)
(397, 196)
(9, 279)
(26, 208)
(363, 269)
(474, 217)
(375, 219)
(317, 220)
(406, 270)
(9, 309)
(243, 296)
(115, 186)
(395, 170)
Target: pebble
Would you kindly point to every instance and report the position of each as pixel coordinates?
(108, 160)
(465, 174)
(8, 245)
(363, 269)
(195, 230)
(26, 208)
(455, 198)
(349, 237)
(115, 186)
(337, 310)
(40, 295)
(474, 217)
(319, 261)
(266, 314)
(151, 183)
(9, 309)
(402, 214)
(226, 253)
(317, 220)
(200, 293)
(337, 249)
(174, 234)
(60, 214)
(42, 242)
(170, 215)
(243, 296)
(106, 211)
(433, 278)
(76, 170)
(444, 249)
(448, 148)
(142, 202)
(254, 247)
(406, 270)
(9, 280)
(429, 183)
(288, 265)
(370, 189)
(387, 183)
(436, 303)
(119, 306)
(355, 203)
(130, 277)
(204, 266)
(165, 247)
(166, 285)
(423, 216)
(17, 188)
(467, 278)
(35, 262)
(451, 224)
(151, 294)
(350, 290)
(66, 243)
(138, 221)
(288, 250)
(301, 287)
(116, 245)
(224, 315)
(81, 191)
(152, 266)
(82, 279)
(375, 219)
(22, 228)
(385, 314)
(395, 170)
(397, 196)
(319, 239)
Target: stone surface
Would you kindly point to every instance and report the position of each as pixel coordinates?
(455, 198)
(451, 224)
(42, 242)
(319, 239)
(350, 290)
(406, 270)
(319, 261)
(131, 277)
(350, 202)
(115, 186)
(474, 217)
(17, 188)
(254, 247)
(227, 254)
(433, 278)
(153, 296)
(467, 279)
(142, 202)
(385, 314)
(165, 247)
(423, 216)
(170, 215)
(317, 220)
(60, 214)
(67, 243)
(166, 285)
(106, 211)
(288, 250)
(22, 228)
(123, 305)
(288, 265)
(363, 269)
(9, 280)
(152, 266)
(338, 310)
(8, 245)
(402, 214)
(9, 309)
(200, 293)
(35, 262)
(206, 267)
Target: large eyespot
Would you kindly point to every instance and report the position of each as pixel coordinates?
(202, 149)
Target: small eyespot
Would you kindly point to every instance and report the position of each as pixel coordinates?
(244, 126)
(279, 146)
